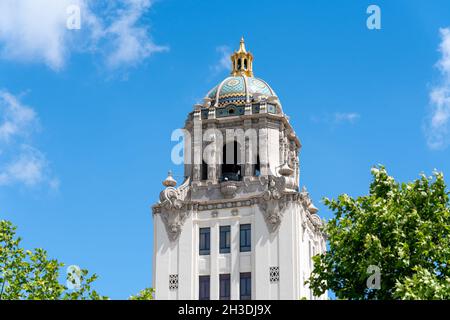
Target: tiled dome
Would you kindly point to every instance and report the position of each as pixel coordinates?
(239, 90)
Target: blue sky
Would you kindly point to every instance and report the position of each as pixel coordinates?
(86, 115)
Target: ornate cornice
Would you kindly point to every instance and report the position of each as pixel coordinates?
(175, 205)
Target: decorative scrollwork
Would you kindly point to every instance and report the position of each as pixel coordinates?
(272, 202)
(173, 209)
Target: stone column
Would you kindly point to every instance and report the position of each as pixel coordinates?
(261, 257)
(248, 166)
(287, 258)
(197, 146)
(263, 146)
(214, 254)
(213, 145)
(235, 274)
(187, 253)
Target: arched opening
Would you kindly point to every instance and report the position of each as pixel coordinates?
(231, 167)
(204, 170)
(239, 64)
(245, 64)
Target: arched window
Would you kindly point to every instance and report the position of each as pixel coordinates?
(231, 167)
(245, 64)
(239, 64)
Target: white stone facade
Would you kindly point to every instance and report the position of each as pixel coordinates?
(285, 230)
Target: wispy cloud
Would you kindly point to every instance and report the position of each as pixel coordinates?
(346, 117)
(131, 43)
(224, 62)
(20, 162)
(17, 119)
(36, 31)
(337, 118)
(437, 126)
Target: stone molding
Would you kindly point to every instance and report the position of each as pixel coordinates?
(175, 205)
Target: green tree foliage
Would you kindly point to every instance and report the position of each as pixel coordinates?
(146, 294)
(404, 229)
(26, 274)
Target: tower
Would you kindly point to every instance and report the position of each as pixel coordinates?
(238, 226)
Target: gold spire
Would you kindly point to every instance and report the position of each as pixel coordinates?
(242, 61)
(242, 46)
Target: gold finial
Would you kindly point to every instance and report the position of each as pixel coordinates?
(242, 46)
(169, 181)
(242, 61)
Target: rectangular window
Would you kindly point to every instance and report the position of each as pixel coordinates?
(204, 243)
(203, 288)
(245, 237)
(225, 234)
(246, 286)
(224, 286)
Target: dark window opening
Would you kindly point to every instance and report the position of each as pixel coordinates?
(245, 64)
(246, 286)
(257, 171)
(231, 169)
(203, 288)
(204, 243)
(224, 287)
(239, 64)
(231, 111)
(245, 237)
(225, 241)
(204, 171)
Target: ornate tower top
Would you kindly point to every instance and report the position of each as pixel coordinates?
(242, 61)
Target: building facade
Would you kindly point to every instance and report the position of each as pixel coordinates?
(238, 226)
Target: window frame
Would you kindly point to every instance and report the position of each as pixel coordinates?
(204, 245)
(245, 242)
(224, 239)
(245, 286)
(225, 292)
(204, 288)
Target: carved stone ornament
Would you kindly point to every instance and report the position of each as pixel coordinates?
(228, 189)
(173, 210)
(272, 202)
(307, 202)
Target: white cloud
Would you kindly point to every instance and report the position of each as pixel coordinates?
(351, 117)
(131, 43)
(437, 127)
(36, 31)
(336, 118)
(224, 62)
(16, 118)
(20, 162)
(29, 168)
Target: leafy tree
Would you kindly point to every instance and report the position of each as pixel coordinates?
(146, 294)
(26, 274)
(404, 229)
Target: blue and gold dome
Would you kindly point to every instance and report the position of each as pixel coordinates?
(241, 87)
(239, 90)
